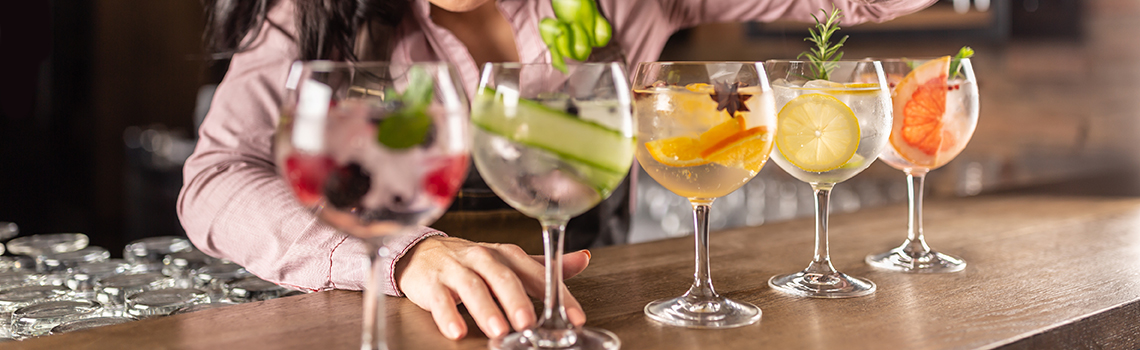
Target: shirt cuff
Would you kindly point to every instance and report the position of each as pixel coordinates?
(349, 265)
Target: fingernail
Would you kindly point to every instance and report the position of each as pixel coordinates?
(522, 319)
(498, 327)
(588, 255)
(453, 331)
(580, 316)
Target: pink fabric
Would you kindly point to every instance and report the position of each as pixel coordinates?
(235, 205)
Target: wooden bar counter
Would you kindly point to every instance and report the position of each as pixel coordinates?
(1044, 272)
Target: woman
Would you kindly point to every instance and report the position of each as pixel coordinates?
(235, 205)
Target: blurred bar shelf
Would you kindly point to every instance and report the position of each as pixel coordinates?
(1045, 271)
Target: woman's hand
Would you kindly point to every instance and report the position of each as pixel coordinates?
(440, 272)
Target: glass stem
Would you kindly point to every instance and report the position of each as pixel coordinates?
(702, 288)
(373, 335)
(915, 245)
(821, 261)
(553, 312)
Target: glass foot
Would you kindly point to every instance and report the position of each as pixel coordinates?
(712, 313)
(582, 339)
(814, 285)
(931, 262)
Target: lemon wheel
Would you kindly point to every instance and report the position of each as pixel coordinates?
(817, 132)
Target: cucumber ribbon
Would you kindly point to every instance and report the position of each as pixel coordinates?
(576, 30)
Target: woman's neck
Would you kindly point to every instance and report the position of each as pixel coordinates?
(484, 31)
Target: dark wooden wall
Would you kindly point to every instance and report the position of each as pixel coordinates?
(82, 72)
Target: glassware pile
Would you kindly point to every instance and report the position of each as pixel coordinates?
(57, 283)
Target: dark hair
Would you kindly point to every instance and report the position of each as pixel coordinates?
(326, 29)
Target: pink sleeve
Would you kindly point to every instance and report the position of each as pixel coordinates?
(687, 13)
(233, 203)
(643, 26)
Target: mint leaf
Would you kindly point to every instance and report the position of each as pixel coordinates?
(404, 129)
(420, 89)
(409, 125)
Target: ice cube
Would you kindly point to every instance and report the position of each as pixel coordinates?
(564, 189)
(505, 149)
(781, 82)
(555, 101)
(724, 72)
(783, 94)
(607, 113)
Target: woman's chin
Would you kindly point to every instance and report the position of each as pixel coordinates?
(458, 5)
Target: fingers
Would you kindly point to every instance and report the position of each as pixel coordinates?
(572, 263)
(473, 291)
(494, 267)
(445, 314)
(573, 309)
(484, 277)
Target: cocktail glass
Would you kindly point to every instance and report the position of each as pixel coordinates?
(553, 144)
(936, 111)
(704, 130)
(834, 121)
(375, 149)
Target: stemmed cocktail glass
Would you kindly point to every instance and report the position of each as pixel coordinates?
(834, 120)
(936, 111)
(553, 144)
(704, 130)
(375, 149)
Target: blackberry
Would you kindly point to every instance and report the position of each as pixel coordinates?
(346, 186)
(572, 109)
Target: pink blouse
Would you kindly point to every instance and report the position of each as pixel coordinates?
(234, 204)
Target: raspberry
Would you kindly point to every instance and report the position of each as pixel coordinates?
(443, 182)
(306, 174)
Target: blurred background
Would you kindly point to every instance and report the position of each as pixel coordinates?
(100, 100)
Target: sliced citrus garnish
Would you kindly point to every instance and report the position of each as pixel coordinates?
(720, 132)
(723, 143)
(861, 85)
(919, 104)
(703, 88)
(817, 132)
(858, 89)
(678, 151)
(748, 149)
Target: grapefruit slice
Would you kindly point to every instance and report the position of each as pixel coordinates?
(919, 104)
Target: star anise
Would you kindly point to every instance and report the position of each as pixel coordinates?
(728, 99)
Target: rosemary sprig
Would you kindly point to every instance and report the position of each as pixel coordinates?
(965, 52)
(823, 56)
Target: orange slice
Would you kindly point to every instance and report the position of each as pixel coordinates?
(685, 151)
(681, 151)
(700, 88)
(748, 149)
(919, 104)
(720, 132)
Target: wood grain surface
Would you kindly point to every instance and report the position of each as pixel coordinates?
(1044, 272)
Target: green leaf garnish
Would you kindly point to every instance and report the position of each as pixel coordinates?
(409, 125)
(965, 52)
(404, 128)
(824, 55)
(420, 89)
